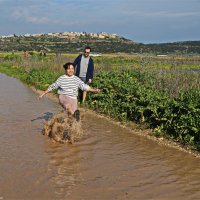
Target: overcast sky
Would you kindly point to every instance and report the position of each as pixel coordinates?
(146, 21)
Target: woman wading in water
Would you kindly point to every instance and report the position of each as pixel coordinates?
(67, 86)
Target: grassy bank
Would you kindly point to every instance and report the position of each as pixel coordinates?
(165, 97)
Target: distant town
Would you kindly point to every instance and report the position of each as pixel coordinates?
(62, 42)
(68, 35)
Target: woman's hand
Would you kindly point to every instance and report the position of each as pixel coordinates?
(40, 97)
(97, 90)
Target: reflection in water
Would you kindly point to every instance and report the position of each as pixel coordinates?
(108, 163)
(46, 116)
(66, 162)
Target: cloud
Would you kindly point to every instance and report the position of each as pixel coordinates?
(24, 15)
(161, 14)
(49, 12)
(37, 19)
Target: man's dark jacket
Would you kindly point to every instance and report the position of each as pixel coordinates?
(90, 69)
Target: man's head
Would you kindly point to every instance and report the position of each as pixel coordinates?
(87, 51)
(69, 69)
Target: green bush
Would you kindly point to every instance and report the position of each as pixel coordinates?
(132, 96)
(182, 117)
(12, 57)
(41, 78)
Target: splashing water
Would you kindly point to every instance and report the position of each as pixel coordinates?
(63, 128)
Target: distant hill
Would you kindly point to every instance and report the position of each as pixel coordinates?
(74, 42)
(185, 47)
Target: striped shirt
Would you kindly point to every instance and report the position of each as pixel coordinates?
(68, 85)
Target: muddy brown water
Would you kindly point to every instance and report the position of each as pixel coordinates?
(109, 162)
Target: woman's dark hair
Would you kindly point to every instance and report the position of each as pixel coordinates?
(67, 65)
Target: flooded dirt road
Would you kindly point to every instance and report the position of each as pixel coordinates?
(108, 163)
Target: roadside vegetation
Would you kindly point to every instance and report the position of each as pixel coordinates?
(162, 93)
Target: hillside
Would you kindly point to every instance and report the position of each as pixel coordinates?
(185, 47)
(71, 42)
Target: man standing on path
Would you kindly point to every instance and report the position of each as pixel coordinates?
(84, 68)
